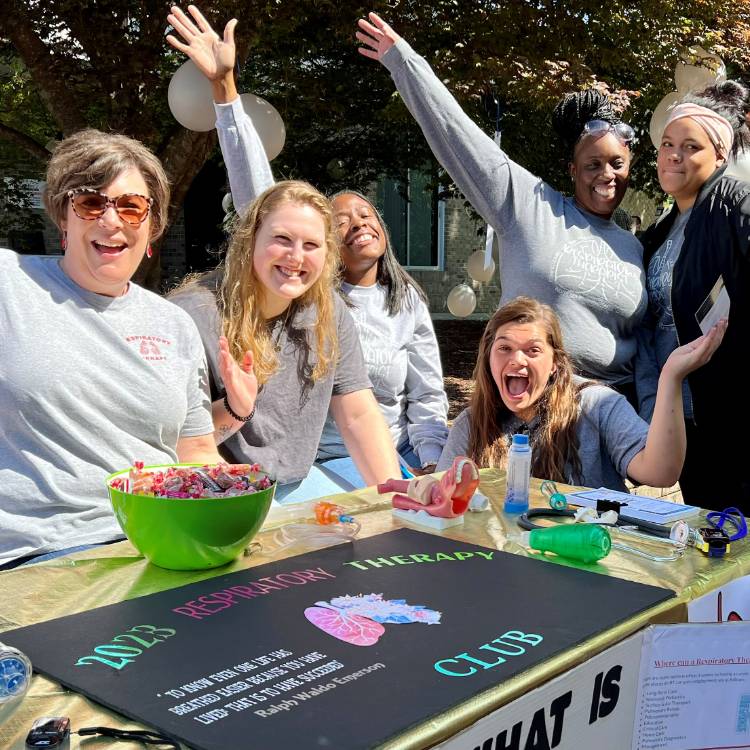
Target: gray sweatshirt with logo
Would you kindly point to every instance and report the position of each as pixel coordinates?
(587, 268)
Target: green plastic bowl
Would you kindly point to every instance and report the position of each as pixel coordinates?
(188, 533)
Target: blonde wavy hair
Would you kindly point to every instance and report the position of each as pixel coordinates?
(555, 442)
(240, 292)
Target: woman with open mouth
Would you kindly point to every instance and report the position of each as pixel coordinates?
(565, 251)
(96, 371)
(388, 306)
(698, 267)
(581, 432)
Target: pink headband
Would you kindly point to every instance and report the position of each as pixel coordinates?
(717, 128)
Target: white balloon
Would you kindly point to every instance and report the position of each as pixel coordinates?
(659, 118)
(692, 77)
(462, 300)
(191, 102)
(267, 122)
(740, 167)
(226, 203)
(476, 269)
(190, 98)
(698, 69)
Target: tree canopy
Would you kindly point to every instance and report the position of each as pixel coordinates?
(69, 64)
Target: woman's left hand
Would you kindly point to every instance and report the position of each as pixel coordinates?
(685, 359)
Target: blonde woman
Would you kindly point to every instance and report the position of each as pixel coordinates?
(389, 308)
(581, 432)
(282, 347)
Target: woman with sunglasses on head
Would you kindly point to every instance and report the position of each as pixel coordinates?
(96, 371)
(388, 307)
(274, 300)
(697, 258)
(565, 251)
(581, 432)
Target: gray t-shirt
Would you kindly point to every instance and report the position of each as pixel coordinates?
(88, 384)
(401, 351)
(290, 410)
(610, 434)
(403, 362)
(660, 319)
(589, 270)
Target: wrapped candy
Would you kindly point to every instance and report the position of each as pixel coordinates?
(219, 480)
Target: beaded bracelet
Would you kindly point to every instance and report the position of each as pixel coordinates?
(236, 416)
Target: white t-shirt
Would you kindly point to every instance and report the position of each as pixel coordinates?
(403, 361)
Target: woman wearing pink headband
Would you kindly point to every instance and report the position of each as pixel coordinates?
(697, 260)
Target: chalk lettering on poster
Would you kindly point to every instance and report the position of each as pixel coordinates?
(393, 560)
(125, 647)
(247, 687)
(210, 604)
(508, 644)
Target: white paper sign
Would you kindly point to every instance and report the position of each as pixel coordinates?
(694, 687)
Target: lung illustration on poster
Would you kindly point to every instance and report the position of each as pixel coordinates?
(359, 619)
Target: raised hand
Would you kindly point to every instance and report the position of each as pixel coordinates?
(685, 359)
(377, 35)
(240, 382)
(213, 55)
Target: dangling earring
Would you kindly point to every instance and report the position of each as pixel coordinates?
(149, 252)
(64, 241)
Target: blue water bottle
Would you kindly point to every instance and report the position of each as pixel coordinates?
(518, 474)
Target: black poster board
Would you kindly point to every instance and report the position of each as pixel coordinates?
(255, 659)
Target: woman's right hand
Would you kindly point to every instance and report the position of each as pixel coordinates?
(212, 55)
(377, 35)
(240, 382)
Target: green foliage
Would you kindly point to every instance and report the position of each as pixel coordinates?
(65, 64)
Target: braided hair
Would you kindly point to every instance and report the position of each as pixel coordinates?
(731, 100)
(574, 110)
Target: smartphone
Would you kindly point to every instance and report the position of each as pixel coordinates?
(49, 732)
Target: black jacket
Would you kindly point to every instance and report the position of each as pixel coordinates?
(717, 242)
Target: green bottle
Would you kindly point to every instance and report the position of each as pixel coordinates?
(580, 541)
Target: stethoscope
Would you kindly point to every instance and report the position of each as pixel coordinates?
(625, 525)
(678, 536)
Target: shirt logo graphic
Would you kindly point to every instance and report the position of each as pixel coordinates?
(151, 348)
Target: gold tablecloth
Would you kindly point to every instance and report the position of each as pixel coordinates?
(117, 572)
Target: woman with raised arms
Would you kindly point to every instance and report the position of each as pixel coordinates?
(564, 251)
(388, 307)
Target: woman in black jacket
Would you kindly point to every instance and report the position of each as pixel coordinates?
(698, 269)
